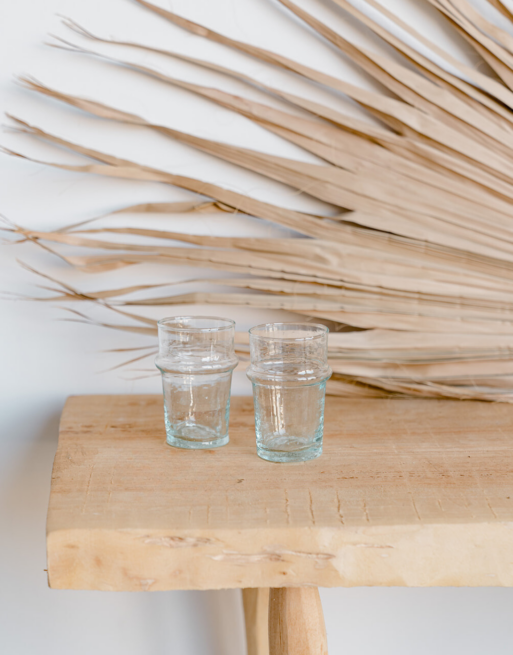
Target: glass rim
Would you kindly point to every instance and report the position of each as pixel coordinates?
(167, 324)
(323, 331)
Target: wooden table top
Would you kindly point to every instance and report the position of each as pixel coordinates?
(407, 492)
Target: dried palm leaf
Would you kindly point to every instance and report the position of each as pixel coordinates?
(412, 270)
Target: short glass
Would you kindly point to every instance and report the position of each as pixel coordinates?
(196, 358)
(289, 370)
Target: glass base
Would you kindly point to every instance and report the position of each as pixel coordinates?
(283, 456)
(194, 437)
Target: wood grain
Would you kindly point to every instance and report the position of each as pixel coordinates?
(256, 615)
(407, 492)
(296, 622)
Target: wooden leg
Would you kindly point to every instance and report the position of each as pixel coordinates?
(296, 622)
(256, 613)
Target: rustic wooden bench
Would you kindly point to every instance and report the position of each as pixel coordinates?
(407, 492)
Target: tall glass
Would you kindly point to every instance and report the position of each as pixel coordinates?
(196, 358)
(289, 370)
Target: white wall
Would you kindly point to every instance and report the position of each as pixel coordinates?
(44, 359)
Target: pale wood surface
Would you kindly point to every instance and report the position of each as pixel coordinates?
(296, 622)
(256, 615)
(407, 492)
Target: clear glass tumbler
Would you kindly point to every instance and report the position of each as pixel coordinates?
(289, 369)
(196, 358)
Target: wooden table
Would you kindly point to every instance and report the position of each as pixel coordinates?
(407, 492)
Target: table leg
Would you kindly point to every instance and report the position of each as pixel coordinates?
(296, 622)
(256, 614)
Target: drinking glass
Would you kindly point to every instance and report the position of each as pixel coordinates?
(289, 370)
(196, 358)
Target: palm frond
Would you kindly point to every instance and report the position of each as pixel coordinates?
(413, 265)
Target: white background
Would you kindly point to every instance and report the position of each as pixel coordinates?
(44, 359)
